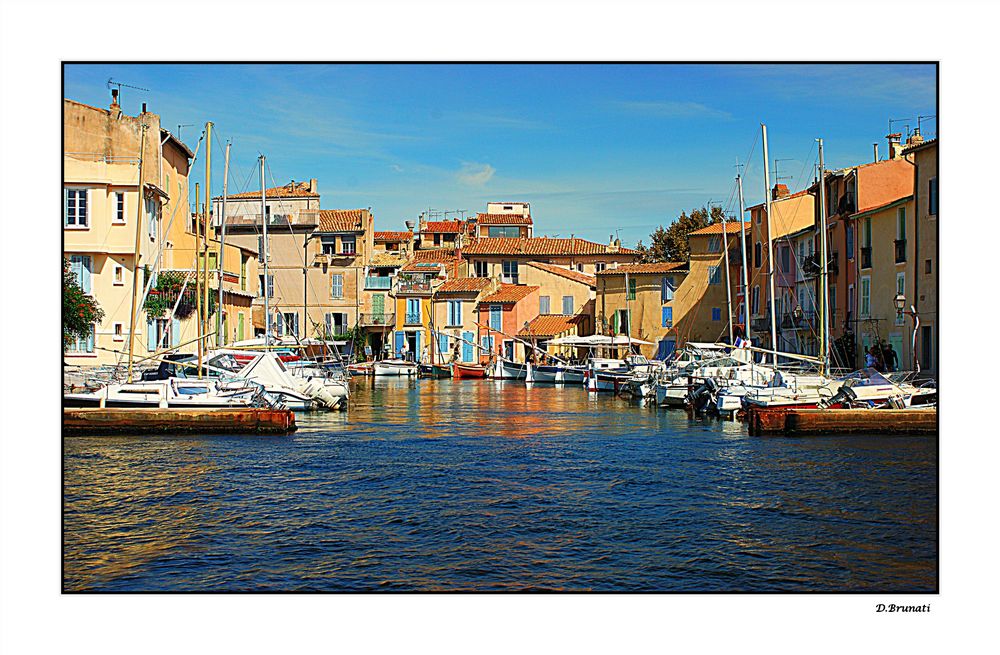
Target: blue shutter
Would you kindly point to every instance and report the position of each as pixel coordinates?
(467, 346)
(665, 349)
(716, 314)
(400, 340)
(567, 307)
(442, 343)
(175, 333)
(668, 317)
(65, 206)
(496, 317)
(420, 347)
(150, 335)
(458, 313)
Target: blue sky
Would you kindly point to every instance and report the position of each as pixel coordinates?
(595, 149)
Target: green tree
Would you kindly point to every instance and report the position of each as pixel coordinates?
(670, 244)
(80, 311)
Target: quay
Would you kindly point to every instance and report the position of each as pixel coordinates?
(248, 421)
(842, 421)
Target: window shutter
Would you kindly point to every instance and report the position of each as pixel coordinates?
(85, 268)
(668, 317)
(614, 322)
(328, 319)
(150, 335)
(443, 343)
(175, 333)
(467, 355)
(296, 324)
(65, 206)
(567, 307)
(400, 339)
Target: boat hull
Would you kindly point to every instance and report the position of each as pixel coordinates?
(469, 371)
(394, 369)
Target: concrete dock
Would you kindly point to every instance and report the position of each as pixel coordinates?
(842, 421)
(172, 421)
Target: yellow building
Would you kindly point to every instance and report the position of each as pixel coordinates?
(455, 317)
(924, 267)
(563, 292)
(887, 252)
(412, 294)
(640, 300)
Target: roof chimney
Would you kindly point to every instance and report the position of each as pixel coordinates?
(894, 147)
(116, 109)
(875, 148)
(144, 108)
(313, 185)
(779, 191)
(915, 138)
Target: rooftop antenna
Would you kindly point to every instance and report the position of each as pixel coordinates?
(897, 120)
(922, 118)
(111, 83)
(778, 178)
(179, 126)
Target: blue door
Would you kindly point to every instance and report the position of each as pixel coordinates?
(443, 347)
(400, 339)
(666, 348)
(467, 346)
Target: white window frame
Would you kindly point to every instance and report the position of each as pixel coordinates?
(865, 297)
(506, 266)
(546, 306)
(568, 300)
(119, 275)
(482, 268)
(117, 332)
(334, 286)
(119, 212)
(76, 224)
(600, 266)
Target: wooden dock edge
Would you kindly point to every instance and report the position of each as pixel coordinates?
(842, 421)
(97, 421)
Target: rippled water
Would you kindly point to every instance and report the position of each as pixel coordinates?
(484, 485)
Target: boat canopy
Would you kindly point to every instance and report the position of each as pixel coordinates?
(598, 341)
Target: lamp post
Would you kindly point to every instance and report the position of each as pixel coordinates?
(900, 302)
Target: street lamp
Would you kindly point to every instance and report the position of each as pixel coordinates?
(900, 302)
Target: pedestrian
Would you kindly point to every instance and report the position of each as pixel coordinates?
(405, 352)
(423, 355)
(870, 358)
(891, 359)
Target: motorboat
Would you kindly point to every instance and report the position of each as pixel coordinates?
(172, 393)
(394, 367)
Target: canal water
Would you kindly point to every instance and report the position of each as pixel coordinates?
(445, 485)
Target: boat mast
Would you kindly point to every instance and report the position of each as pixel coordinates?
(725, 261)
(135, 258)
(770, 250)
(219, 336)
(743, 255)
(204, 243)
(628, 314)
(197, 268)
(263, 220)
(824, 333)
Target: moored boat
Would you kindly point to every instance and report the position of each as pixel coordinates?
(394, 367)
(468, 371)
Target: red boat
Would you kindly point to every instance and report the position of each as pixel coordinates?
(469, 371)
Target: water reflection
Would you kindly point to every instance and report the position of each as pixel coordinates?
(488, 485)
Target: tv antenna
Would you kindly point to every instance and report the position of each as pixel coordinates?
(179, 126)
(778, 178)
(897, 120)
(922, 118)
(111, 83)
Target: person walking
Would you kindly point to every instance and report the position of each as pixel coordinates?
(870, 358)
(891, 359)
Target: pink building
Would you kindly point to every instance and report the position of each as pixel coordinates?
(503, 314)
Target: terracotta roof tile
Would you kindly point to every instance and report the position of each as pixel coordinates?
(550, 325)
(509, 293)
(732, 227)
(540, 246)
(393, 236)
(342, 220)
(657, 267)
(503, 219)
(446, 227)
(434, 255)
(387, 260)
(576, 276)
(465, 285)
(298, 190)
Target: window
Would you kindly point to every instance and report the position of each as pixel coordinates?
(928, 269)
(850, 299)
(866, 233)
(85, 345)
(117, 333)
(336, 285)
(901, 224)
(289, 324)
(454, 312)
(336, 323)
(496, 317)
(623, 322)
(714, 244)
(579, 267)
(119, 278)
(866, 288)
(510, 272)
(269, 286)
(81, 266)
(567, 305)
(153, 217)
(716, 314)
(668, 317)
(437, 239)
(833, 301)
(328, 244)
(119, 207)
(260, 249)
(757, 255)
(932, 199)
(510, 232)
(243, 273)
(786, 259)
(713, 275)
(75, 201)
(630, 294)
(544, 305)
(926, 347)
(755, 300)
(348, 245)
(850, 240)
(600, 266)
(482, 269)
(666, 289)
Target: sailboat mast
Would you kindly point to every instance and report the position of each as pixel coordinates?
(197, 269)
(219, 336)
(725, 261)
(267, 291)
(824, 332)
(770, 250)
(135, 258)
(207, 210)
(628, 314)
(743, 255)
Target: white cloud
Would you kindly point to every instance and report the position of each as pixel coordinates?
(397, 168)
(474, 174)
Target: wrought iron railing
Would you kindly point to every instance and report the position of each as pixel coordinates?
(412, 318)
(413, 286)
(375, 282)
(378, 319)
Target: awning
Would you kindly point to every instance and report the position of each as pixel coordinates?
(598, 341)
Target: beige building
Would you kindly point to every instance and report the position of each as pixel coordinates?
(508, 257)
(640, 300)
(924, 267)
(563, 292)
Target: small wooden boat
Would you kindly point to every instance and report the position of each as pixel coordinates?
(394, 367)
(505, 369)
(434, 371)
(469, 371)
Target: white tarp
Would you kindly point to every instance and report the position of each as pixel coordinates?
(598, 341)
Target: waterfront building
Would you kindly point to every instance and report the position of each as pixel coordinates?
(883, 274)
(101, 198)
(455, 317)
(504, 312)
(441, 234)
(412, 293)
(564, 292)
(341, 247)
(801, 327)
(504, 219)
(923, 268)
(640, 300)
(508, 256)
(545, 327)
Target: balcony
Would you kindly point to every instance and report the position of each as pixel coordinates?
(377, 282)
(900, 251)
(321, 259)
(761, 324)
(847, 204)
(412, 318)
(866, 257)
(378, 319)
(415, 286)
(811, 266)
